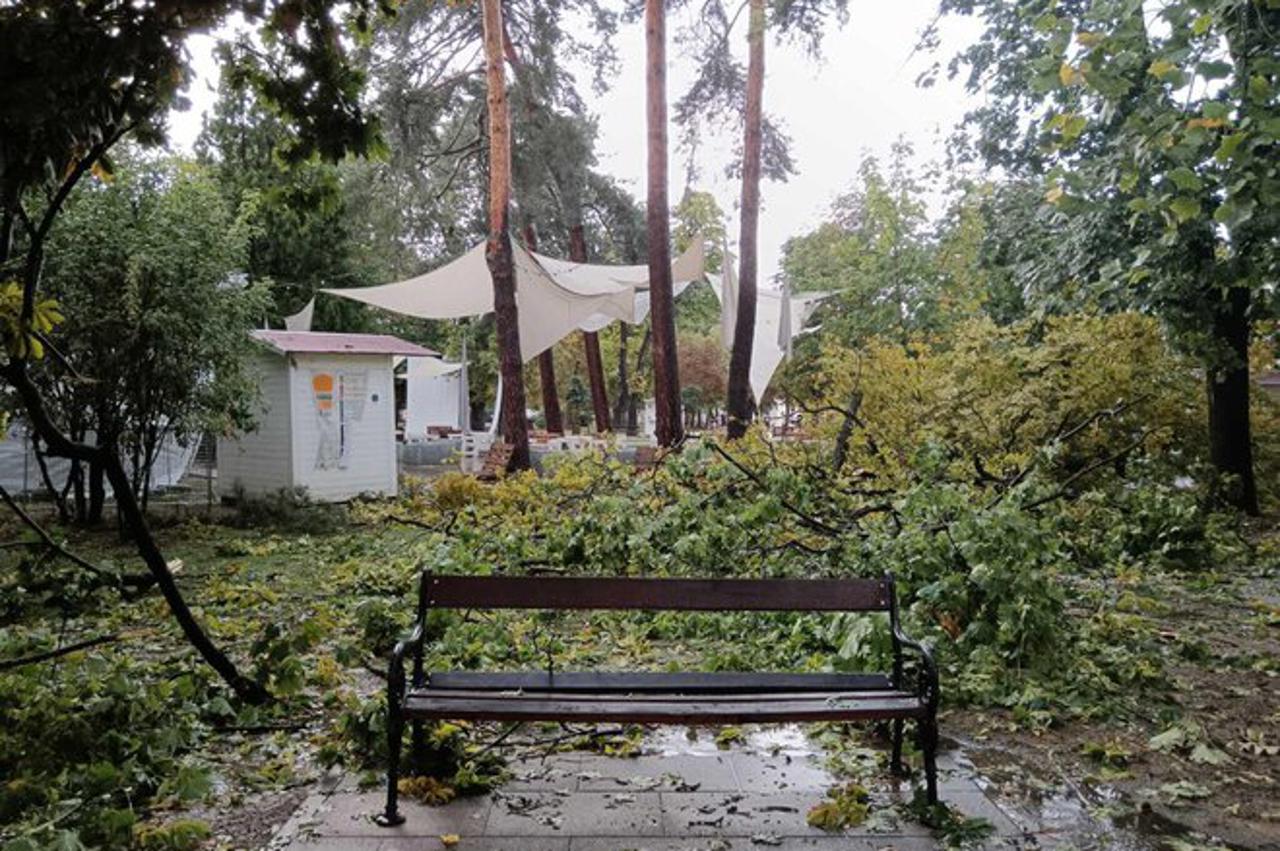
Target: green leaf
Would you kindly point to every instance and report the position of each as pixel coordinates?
(1214, 109)
(1214, 70)
(1227, 149)
(1201, 24)
(1185, 790)
(1162, 69)
(191, 783)
(22, 843)
(1185, 179)
(1177, 736)
(66, 840)
(1259, 89)
(1209, 755)
(1233, 212)
(1184, 209)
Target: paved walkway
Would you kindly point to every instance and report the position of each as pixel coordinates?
(678, 795)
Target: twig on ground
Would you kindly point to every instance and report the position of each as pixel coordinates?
(57, 652)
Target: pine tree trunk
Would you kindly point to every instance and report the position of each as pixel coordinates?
(546, 363)
(515, 429)
(666, 377)
(620, 403)
(740, 401)
(591, 341)
(1230, 434)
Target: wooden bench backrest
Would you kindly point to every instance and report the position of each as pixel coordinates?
(560, 592)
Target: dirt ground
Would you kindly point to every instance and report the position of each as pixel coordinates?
(1221, 786)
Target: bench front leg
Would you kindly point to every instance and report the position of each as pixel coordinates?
(390, 816)
(927, 724)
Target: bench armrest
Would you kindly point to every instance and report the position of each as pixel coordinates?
(412, 642)
(927, 677)
(396, 672)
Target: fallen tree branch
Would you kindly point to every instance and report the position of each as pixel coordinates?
(808, 520)
(1061, 436)
(66, 649)
(1065, 487)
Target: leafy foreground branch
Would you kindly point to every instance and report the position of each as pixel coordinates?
(135, 521)
(134, 583)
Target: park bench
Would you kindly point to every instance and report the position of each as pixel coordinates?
(659, 698)
(646, 458)
(496, 462)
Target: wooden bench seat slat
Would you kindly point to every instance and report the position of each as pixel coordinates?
(668, 697)
(701, 711)
(564, 592)
(642, 682)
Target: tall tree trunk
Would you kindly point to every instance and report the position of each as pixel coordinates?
(740, 402)
(47, 479)
(624, 378)
(1230, 433)
(97, 494)
(591, 340)
(515, 429)
(546, 362)
(666, 377)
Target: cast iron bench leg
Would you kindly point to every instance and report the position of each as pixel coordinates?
(392, 817)
(928, 732)
(895, 763)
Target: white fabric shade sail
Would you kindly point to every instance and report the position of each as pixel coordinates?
(553, 296)
(780, 318)
(301, 321)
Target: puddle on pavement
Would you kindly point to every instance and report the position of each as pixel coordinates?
(784, 740)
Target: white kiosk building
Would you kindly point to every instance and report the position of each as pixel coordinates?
(328, 418)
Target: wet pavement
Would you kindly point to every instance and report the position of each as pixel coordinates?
(683, 793)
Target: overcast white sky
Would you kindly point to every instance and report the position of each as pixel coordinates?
(858, 99)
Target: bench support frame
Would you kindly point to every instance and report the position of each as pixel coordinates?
(925, 679)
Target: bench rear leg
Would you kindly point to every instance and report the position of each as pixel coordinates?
(418, 747)
(895, 762)
(391, 816)
(928, 732)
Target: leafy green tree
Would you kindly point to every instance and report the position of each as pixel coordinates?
(432, 89)
(147, 268)
(300, 236)
(879, 255)
(85, 76)
(698, 215)
(1158, 135)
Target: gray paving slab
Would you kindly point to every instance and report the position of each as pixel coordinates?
(479, 843)
(351, 814)
(706, 773)
(542, 775)
(978, 805)
(680, 795)
(782, 773)
(580, 814)
(762, 842)
(740, 814)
